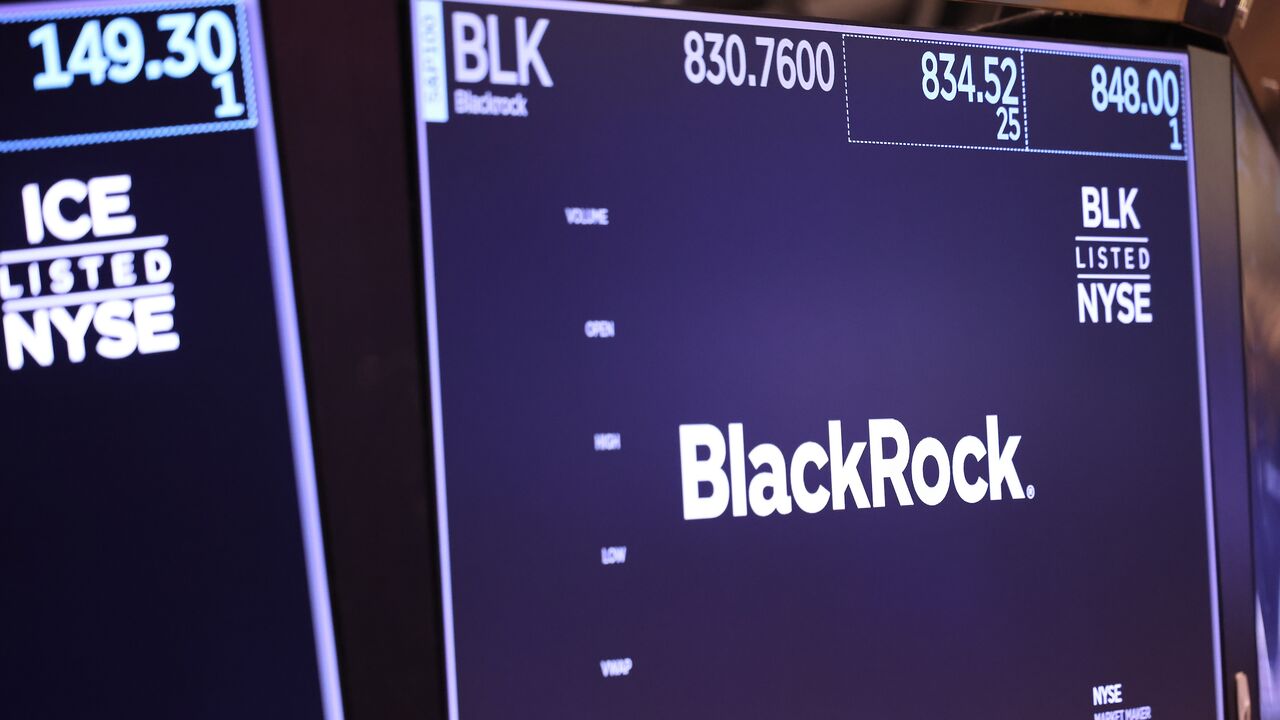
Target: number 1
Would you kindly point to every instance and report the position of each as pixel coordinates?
(1177, 141)
(53, 77)
(229, 108)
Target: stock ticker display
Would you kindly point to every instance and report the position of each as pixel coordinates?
(159, 535)
(795, 369)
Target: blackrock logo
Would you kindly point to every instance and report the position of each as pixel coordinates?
(486, 50)
(66, 294)
(477, 58)
(933, 469)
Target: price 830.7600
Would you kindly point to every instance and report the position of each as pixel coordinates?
(948, 76)
(717, 58)
(115, 51)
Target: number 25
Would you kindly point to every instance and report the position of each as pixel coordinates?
(1010, 127)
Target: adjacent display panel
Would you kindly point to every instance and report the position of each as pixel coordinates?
(159, 532)
(793, 369)
(1258, 181)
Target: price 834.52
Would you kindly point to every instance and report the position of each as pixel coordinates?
(1122, 90)
(717, 58)
(116, 51)
(948, 77)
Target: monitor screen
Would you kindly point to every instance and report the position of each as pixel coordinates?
(1258, 181)
(159, 533)
(796, 369)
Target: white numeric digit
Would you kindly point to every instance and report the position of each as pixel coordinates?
(186, 56)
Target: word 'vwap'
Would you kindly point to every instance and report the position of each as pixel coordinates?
(769, 491)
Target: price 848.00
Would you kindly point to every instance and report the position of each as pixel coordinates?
(1121, 90)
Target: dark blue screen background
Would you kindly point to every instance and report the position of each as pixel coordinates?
(762, 269)
(150, 544)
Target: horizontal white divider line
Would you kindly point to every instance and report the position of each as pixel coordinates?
(80, 298)
(100, 247)
(1115, 276)
(1105, 239)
